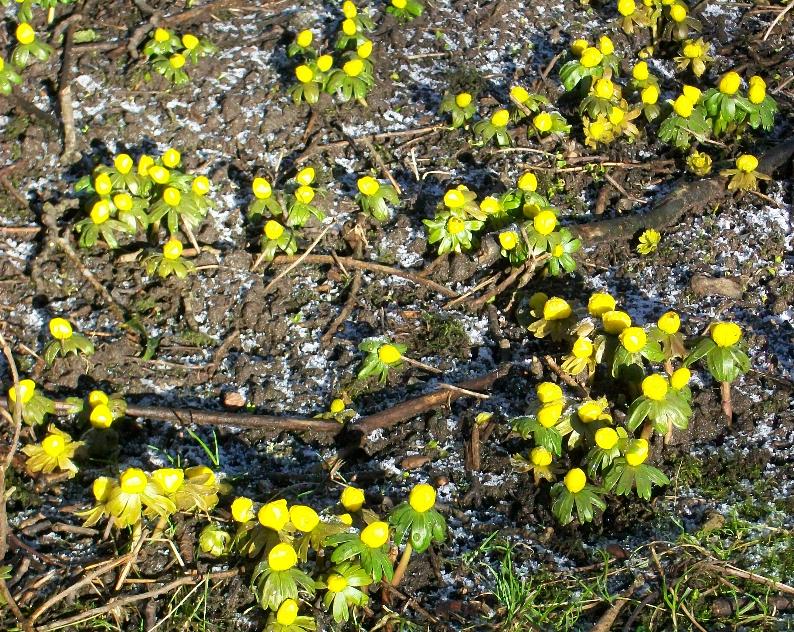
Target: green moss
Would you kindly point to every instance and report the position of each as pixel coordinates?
(441, 335)
(194, 338)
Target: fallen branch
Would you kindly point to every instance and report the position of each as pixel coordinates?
(685, 196)
(423, 403)
(368, 265)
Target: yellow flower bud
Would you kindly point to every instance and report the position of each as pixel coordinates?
(273, 230)
(303, 518)
(102, 184)
(133, 481)
(542, 121)
(650, 94)
(336, 583)
(756, 93)
(500, 118)
(337, 406)
(389, 354)
(171, 158)
(274, 515)
(747, 163)
(172, 249)
(490, 205)
(353, 68)
(605, 45)
(282, 557)
(463, 99)
(626, 7)
(591, 57)
(399, 4)
(454, 198)
(655, 387)
(528, 182)
(144, 164)
(95, 398)
(578, 46)
(172, 196)
(60, 328)
(422, 498)
(556, 309)
(161, 36)
(640, 71)
(364, 49)
(692, 93)
(345, 519)
(575, 480)
(170, 479)
(549, 414)
(349, 27)
(101, 488)
(304, 73)
(261, 188)
(190, 41)
(615, 321)
(100, 212)
(304, 38)
(27, 389)
(730, 83)
(680, 378)
(637, 452)
(540, 457)
(123, 163)
(287, 612)
(669, 323)
(678, 13)
(590, 410)
(242, 509)
(519, 93)
(604, 89)
(692, 50)
(633, 339)
(305, 176)
(177, 60)
(600, 303)
(368, 185)
(606, 438)
(53, 445)
(159, 174)
(352, 498)
(200, 186)
(101, 416)
(545, 222)
(25, 34)
(122, 201)
(304, 194)
(548, 392)
(582, 348)
(349, 9)
(508, 239)
(375, 535)
(683, 106)
(726, 334)
(324, 63)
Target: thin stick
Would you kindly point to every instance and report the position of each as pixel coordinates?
(372, 267)
(191, 237)
(777, 20)
(350, 303)
(473, 290)
(65, 93)
(382, 165)
(422, 365)
(607, 620)
(549, 362)
(297, 261)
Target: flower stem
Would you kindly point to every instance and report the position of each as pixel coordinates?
(727, 405)
(403, 565)
(647, 430)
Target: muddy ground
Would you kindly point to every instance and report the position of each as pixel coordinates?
(219, 332)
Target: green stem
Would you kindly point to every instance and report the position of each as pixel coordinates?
(402, 566)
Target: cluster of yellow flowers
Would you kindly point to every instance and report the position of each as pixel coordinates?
(169, 53)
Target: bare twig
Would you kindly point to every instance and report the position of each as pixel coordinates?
(297, 261)
(65, 92)
(777, 20)
(555, 368)
(607, 620)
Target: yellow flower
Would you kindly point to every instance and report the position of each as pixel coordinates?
(633, 339)
(172, 158)
(519, 93)
(27, 389)
(422, 498)
(578, 46)
(170, 479)
(640, 71)
(616, 115)
(649, 241)
(756, 93)
(490, 205)
(747, 163)
(536, 303)
(304, 194)
(399, 4)
(600, 303)
(650, 94)
(177, 60)
(287, 612)
(605, 45)
(548, 392)
(582, 348)
(575, 480)
(463, 99)
(159, 174)
(324, 63)
(122, 201)
(692, 93)
(699, 163)
(678, 13)
(305, 176)
(637, 452)
(592, 409)
(345, 519)
(540, 457)
(101, 488)
(556, 309)
(274, 515)
(54, 452)
(349, 9)
(615, 321)
(545, 222)
(101, 416)
(683, 106)
(337, 406)
(304, 38)
(273, 230)
(190, 41)
(349, 27)
(200, 186)
(262, 189)
(25, 34)
(500, 118)
(133, 481)
(102, 184)
(389, 354)
(145, 163)
(368, 185)
(591, 57)
(172, 249)
(242, 509)
(172, 196)
(282, 557)
(726, 334)
(680, 378)
(626, 7)
(304, 73)
(364, 49)
(669, 323)
(549, 414)
(730, 83)
(606, 438)
(528, 182)
(455, 226)
(655, 387)
(508, 239)
(353, 68)
(161, 35)
(303, 518)
(375, 535)
(336, 583)
(100, 212)
(352, 498)
(692, 49)
(60, 328)
(95, 398)
(123, 163)
(542, 121)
